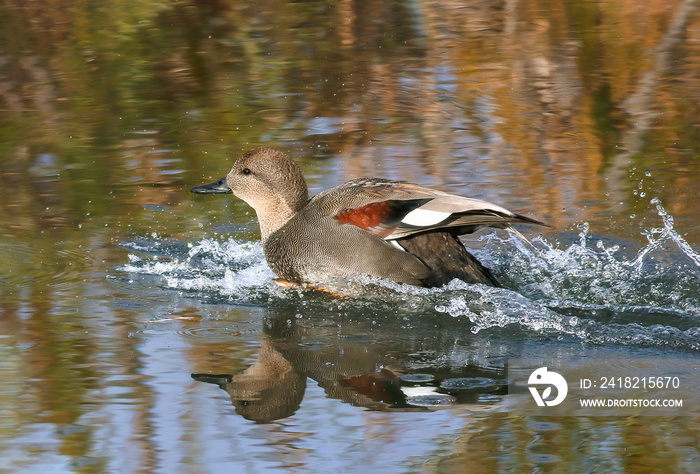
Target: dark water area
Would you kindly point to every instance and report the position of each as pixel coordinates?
(142, 329)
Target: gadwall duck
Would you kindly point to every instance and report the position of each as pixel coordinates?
(368, 226)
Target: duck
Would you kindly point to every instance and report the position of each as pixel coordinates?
(385, 229)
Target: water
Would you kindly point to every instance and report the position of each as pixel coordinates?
(581, 296)
(142, 330)
(583, 288)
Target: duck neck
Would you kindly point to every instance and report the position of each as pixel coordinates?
(273, 217)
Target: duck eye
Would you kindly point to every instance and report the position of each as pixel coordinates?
(246, 171)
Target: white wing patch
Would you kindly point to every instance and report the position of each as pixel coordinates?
(396, 244)
(424, 218)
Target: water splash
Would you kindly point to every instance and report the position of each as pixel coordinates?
(665, 233)
(592, 290)
(488, 307)
(225, 268)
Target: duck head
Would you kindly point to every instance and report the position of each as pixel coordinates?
(269, 181)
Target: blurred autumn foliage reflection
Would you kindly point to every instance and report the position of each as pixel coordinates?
(574, 99)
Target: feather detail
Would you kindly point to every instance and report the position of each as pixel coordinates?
(395, 209)
(421, 217)
(380, 218)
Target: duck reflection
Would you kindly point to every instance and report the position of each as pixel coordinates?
(268, 390)
(353, 363)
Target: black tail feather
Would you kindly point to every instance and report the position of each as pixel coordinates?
(447, 259)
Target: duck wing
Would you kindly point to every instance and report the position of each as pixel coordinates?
(397, 209)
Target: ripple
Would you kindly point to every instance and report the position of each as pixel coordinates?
(211, 332)
(471, 383)
(22, 262)
(436, 399)
(417, 378)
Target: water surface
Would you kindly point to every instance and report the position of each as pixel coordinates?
(142, 329)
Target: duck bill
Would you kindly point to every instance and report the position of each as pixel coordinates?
(217, 187)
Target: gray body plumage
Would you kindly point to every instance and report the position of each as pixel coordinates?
(312, 247)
